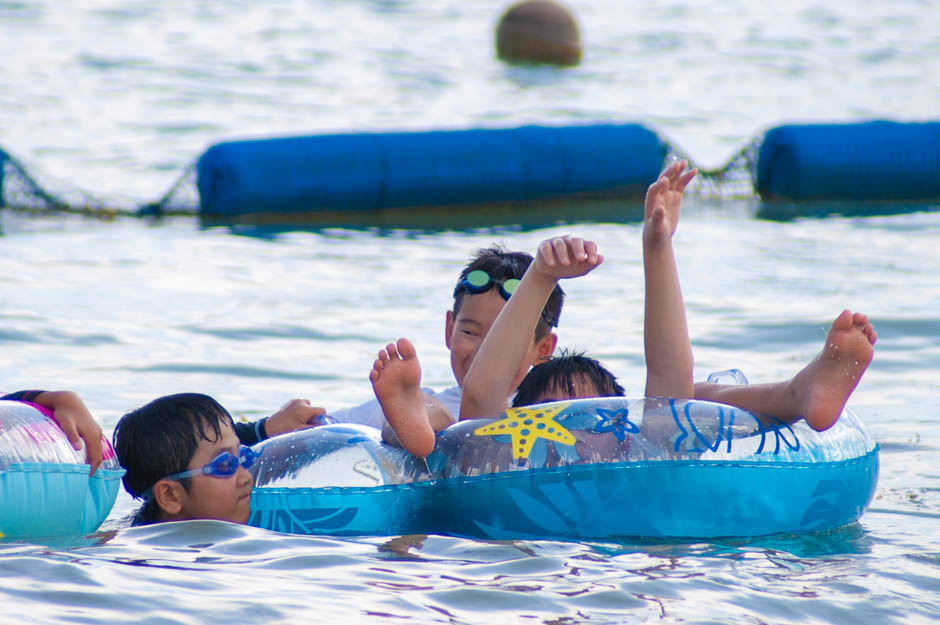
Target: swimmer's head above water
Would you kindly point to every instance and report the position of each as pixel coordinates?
(567, 376)
(483, 288)
(182, 457)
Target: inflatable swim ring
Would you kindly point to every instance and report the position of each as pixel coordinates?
(586, 469)
(45, 489)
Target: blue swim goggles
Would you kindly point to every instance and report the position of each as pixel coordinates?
(478, 281)
(224, 465)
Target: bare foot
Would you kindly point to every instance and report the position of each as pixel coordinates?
(824, 386)
(396, 380)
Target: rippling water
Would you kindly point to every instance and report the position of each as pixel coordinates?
(117, 97)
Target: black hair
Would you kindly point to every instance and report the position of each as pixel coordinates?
(501, 264)
(561, 373)
(161, 438)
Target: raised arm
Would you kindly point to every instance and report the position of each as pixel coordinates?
(665, 331)
(505, 350)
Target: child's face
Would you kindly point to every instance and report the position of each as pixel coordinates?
(221, 498)
(465, 333)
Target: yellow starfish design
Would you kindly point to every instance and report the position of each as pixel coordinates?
(527, 424)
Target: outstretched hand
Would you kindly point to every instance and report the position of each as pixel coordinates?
(296, 414)
(566, 257)
(663, 200)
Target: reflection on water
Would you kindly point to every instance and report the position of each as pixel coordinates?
(498, 217)
(788, 211)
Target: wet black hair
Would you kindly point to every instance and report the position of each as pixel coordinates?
(501, 264)
(561, 373)
(161, 438)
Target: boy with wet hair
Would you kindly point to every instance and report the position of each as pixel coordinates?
(483, 288)
(183, 458)
(570, 375)
(492, 379)
(495, 267)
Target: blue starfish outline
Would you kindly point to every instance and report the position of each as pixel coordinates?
(616, 421)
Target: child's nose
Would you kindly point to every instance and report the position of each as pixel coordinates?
(243, 476)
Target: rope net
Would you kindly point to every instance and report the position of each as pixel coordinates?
(734, 180)
(19, 190)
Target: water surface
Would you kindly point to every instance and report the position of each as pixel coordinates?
(117, 97)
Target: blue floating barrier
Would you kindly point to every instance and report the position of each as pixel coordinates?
(374, 171)
(879, 160)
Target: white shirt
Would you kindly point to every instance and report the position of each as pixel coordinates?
(370, 413)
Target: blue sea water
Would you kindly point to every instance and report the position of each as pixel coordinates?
(116, 98)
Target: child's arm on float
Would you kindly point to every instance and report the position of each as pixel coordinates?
(665, 331)
(74, 419)
(297, 414)
(488, 382)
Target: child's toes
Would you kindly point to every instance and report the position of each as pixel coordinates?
(406, 349)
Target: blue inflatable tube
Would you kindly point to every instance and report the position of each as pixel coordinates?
(879, 160)
(45, 489)
(588, 469)
(374, 171)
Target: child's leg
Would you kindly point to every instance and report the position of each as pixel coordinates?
(396, 380)
(817, 393)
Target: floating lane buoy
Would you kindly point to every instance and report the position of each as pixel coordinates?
(378, 171)
(878, 160)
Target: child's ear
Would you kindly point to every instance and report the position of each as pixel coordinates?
(448, 328)
(545, 348)
(166, 494)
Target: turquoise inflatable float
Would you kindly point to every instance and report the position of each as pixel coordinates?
(586, 469)
(45, 489)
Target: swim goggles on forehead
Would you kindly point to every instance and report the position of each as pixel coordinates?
(224, 465)
(478, 281)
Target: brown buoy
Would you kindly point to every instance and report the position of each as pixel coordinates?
(538, 31)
